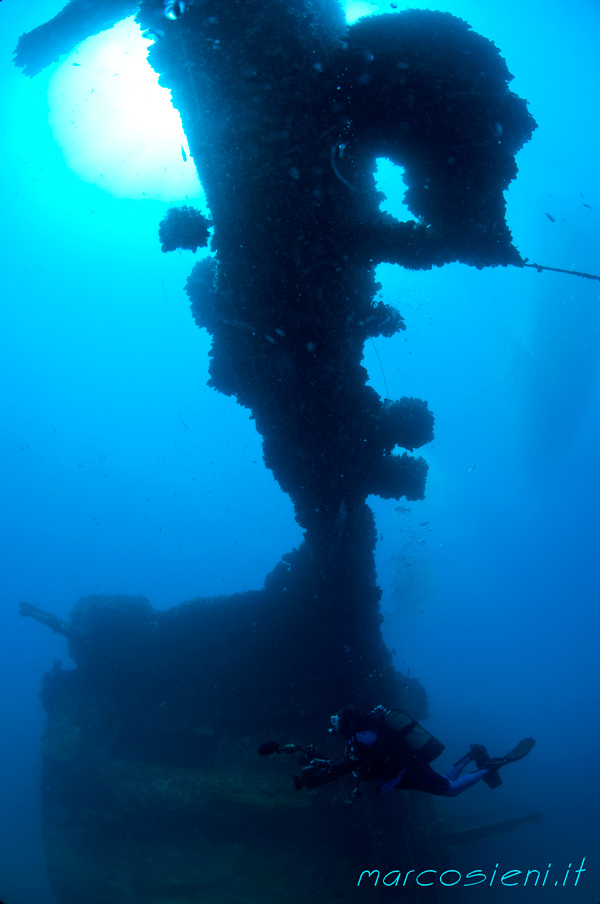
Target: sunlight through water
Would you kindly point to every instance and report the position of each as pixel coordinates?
(115, 126)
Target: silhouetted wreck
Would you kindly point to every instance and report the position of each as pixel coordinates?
(152, 788)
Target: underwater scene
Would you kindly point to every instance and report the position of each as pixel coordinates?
(300, 431)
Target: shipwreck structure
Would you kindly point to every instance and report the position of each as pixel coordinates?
(152, 788)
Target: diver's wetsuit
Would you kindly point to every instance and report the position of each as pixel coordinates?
(373, 757)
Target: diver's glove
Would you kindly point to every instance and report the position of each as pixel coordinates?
(317, 772)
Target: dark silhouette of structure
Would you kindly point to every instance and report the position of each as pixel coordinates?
(285, 110)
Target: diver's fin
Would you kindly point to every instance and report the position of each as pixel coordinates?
(492, 779)
(522, 749)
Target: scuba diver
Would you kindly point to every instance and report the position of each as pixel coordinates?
(391, 749)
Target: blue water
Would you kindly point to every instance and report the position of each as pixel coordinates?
(123, 473)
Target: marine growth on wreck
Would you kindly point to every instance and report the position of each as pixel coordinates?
(152, 788)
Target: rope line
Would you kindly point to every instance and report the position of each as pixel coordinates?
(540, 267)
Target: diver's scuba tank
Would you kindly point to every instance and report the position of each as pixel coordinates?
(417, 740)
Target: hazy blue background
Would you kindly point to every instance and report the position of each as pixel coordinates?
(122, 473)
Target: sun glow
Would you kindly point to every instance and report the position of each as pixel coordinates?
(115, 125)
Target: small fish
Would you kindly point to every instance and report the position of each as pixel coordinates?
(471, 469)
(589, 206)
(183, 154)
(423, 523)
(551, 218)
(401, 509)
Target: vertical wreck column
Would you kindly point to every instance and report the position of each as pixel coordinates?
(289, 298)
(285, 111)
